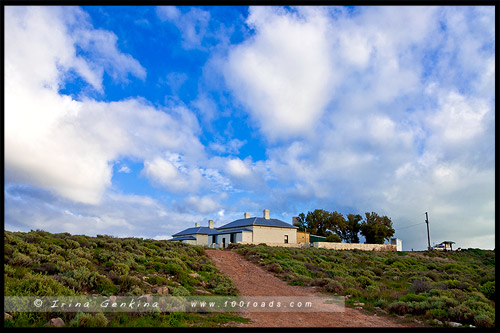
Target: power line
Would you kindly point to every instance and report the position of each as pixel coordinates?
(409, 226)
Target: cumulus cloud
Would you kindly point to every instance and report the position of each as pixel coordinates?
(282, 74)
(56, 142)
(399, 134)
(118, 214)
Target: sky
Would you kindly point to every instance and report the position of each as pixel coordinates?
(141, 121)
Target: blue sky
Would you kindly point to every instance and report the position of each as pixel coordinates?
(141, 121)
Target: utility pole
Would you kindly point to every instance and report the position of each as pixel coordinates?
(428, 237)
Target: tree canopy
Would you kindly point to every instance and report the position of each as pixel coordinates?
(333, 225)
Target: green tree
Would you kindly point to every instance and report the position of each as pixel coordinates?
(333, 238)
(301, 218)
(338, 225)
(318, 222)
(353, 227)
(376, 229)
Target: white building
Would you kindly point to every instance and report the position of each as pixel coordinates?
(248, 230)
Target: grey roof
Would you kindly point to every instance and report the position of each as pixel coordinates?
(257, 221)
(183, 238)
(196, 230)
(221, 232)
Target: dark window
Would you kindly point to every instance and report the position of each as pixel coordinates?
(286, 239)
(233, 238)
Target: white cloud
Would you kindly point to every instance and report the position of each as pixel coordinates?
(231, 147)
(203, 205)
(459, 119)
(124, 169)
(166, 174)
(193, 24)
(282, 74)
(385, 143)
(238, 168)
(66, 145)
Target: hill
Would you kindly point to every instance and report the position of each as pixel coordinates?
(431, 287)
(39, 263)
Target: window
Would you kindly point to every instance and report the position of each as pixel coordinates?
(286, 239)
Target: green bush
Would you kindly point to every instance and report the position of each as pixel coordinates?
(333, 287)
(420, 286)
(364, 281)
(83, 319)
(36, 285)
(121, 269)
(352, 292)
(488, 289)
(400, 308)
(412, 298)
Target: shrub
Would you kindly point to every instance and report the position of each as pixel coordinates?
(432, 275)
(36, 285)
(440, 314)
(173, 269)
(363, 281)
(482, 320)
(488, 289)
(333, 287)
(274, 268)
(83, 319)
(419, 286)
(462, 314)
(373, 289)
(352, 292)
(105, 286)
(121, 269)
(401, 308)
(319, 282)
(19, 259)
(412, 298)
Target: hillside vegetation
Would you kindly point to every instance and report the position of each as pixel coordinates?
(38, 263)
(434, 287)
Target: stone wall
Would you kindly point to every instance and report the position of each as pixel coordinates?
(352, 246)
(296, 245)
(333, 246)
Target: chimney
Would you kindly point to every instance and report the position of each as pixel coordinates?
(266, 214)
(211, 224)
(295, 221)
(197, 224)
(247, 215)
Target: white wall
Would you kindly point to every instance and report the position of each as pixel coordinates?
(263, 234)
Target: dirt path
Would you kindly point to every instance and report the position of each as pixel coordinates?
(252, 280)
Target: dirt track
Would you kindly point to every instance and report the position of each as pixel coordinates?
(252, 280)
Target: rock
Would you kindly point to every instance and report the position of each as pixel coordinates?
(146, 298)
(112, 299)
(6, 316)
(195, 275)
(454, 324)
(378, 309)
(359, 304)
(358, 307)
(201, 291)
(55, 322)
(439, 322)
(161, 290)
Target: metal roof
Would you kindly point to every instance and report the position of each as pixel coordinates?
(183, 238)
(196, 230)
(260, 221)
(222, 232)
